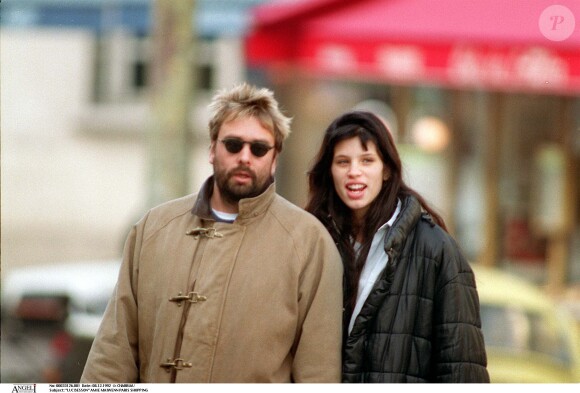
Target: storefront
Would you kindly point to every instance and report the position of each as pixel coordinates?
(484, 100)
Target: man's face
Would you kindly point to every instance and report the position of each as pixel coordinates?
(241, 174)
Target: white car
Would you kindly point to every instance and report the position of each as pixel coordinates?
(50, 315)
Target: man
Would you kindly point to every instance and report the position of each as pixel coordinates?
(233, 284)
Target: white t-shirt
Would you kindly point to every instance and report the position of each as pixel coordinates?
(227, 217)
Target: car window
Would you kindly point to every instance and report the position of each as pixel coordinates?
(547, 338)
(94, 307)
(41, 307)
(518, 330)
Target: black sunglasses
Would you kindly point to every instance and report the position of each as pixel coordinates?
(235, 145)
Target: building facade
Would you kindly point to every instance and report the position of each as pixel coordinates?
(76, 111)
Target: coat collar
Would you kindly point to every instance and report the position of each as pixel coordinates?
(404, 224)
(248, 207)
(395, 240)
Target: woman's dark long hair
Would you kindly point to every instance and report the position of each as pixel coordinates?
(326, 205)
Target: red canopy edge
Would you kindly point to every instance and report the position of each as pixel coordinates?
(287, 11)
(375, 40)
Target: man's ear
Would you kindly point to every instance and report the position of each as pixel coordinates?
(212, 152)
(274, 163)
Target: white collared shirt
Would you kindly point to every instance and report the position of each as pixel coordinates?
(374, 265)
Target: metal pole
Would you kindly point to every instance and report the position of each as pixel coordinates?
(558, 247)
(491, 247)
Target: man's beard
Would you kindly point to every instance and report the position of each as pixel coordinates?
(232, 192)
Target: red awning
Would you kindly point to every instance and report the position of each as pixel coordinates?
(515, 45)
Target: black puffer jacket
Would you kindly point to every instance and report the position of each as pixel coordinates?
(421, 321)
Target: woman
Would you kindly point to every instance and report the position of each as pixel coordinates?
(411, 305)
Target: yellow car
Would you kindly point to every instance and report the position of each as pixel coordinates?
(528, 338)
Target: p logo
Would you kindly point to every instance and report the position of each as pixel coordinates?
(557, 23)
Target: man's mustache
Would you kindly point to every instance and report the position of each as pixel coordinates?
(244, 170)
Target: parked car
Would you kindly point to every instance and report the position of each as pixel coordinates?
(50, 315)
(528, 337)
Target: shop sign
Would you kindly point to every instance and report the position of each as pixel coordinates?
(535, 68)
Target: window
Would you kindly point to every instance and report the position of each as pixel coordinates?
(518, 331)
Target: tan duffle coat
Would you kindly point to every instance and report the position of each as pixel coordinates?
(259, 300)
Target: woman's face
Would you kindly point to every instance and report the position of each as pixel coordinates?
(358, 174)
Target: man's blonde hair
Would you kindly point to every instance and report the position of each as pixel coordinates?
(245, 100)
